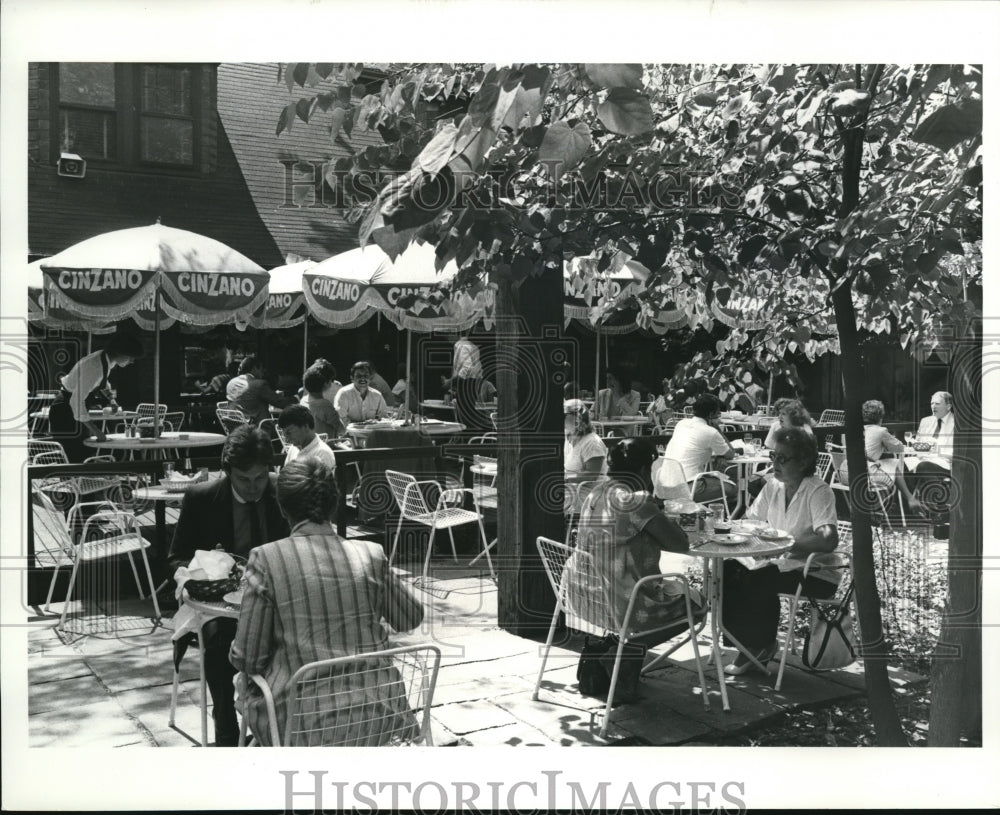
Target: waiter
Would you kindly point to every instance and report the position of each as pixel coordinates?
(69, 417)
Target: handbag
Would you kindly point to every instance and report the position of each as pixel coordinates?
(597, 662)
(830, 641)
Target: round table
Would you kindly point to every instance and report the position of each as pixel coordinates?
(42, 415)
(359, 432)
(626, 423)
(206, 610)
(712, 555)
(171, 440)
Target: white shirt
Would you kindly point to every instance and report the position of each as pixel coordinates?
(81, 381)
(945, 439)
(317, 449)
(693, 444)
(352, 408)
(236, 386)
(575, 456)
(812, 506)
(467, 364)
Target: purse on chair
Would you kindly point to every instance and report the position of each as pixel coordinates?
(830, 642)
(597, 662)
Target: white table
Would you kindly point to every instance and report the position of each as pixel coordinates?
(359, 432)
(95, 416)
(756, 420)
(744, 469)
(911, 458)
(712, 555)
(206, 611)
(627, 423)
(169, 440)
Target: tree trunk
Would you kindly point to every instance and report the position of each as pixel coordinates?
(530, 467)
(888, 730)
(956, 673)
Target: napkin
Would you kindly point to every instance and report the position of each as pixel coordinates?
(206, 564)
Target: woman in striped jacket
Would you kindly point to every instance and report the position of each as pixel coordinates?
(314, 596)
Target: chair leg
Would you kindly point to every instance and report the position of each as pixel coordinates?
(548, 647)
(173, 696)
(69, 594)
(152, 588)
(430, 550)
(52, 587)
(793, 607)
(486, 547)
(454, 552)
(135, 574)
(611, 691)
(395, 540)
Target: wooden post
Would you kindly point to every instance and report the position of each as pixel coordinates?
(530, 351)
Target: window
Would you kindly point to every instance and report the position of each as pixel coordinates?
(133, 115)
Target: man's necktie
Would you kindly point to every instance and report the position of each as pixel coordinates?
(937, 430)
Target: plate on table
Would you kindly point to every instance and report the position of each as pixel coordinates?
(729, 539)
(234, 598)
(772, 534)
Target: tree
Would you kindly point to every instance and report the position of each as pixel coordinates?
(826, 195)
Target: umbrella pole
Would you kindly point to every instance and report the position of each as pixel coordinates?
(90, 340)
(597, 374)
(305, 344)
(406, 394)
(156, 368)
(770, 387)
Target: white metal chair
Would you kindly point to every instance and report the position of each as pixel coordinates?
(879, 488)
(378, 699)
(41, 452)
(446, 514)
(174, 420)
(110, 532)
(834, 417)
(230, 419)
(843, 551)
(581, 591)
(670, 482)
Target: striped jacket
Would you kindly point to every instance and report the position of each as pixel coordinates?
(314, 596)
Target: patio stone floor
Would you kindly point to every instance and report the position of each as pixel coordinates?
(113, 690)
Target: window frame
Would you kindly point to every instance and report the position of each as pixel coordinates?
(129, 114)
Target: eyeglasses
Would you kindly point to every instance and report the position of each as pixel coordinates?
(781, 458)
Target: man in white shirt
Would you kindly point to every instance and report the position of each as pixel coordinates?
(694, 443)
(357, 402)
(931, 476)
(466, 375)
(939, 427)
(299, 428)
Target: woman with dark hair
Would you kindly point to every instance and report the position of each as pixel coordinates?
(661, 410)
(799, 503)
(791, 413)
(623, 530)
(69, 416)
(321, 385)
(618, 398)
(313, 596)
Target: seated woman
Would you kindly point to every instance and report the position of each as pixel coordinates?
(799, 503)
(791, 413)
(617, 399)
(314, 596)
(321, 386)
(584, 452)
(623, 531)
(661, 410)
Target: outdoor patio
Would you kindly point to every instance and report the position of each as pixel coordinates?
(113, 689)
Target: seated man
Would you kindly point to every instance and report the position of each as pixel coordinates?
(296, 422)
(694, 443)
(251, 392)
(237, 512)
(322, 387)
(938, 428)
(357, 402)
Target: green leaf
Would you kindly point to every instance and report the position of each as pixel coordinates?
(300, 73)
(324, 69)
(564, 145)
(481, 108)
(438, 150)
(286, 119)
(751, 248)
(303, 108)
(951, 125)
(615, 75)
(337, 121)
(626, 112)
(706, 99)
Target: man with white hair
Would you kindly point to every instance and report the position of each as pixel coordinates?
(930, 474)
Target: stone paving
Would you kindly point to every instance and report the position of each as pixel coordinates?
(114, 690)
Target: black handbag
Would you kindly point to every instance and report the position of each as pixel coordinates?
(597, 662)
(830, 642)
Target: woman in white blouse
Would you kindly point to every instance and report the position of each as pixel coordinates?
(584, 454)
(803, 505)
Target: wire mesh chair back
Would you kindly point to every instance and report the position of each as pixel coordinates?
(408, 495)
(371, 700)
(580, 586)
(147, 410)
(824, 462)
(832, 417)
(52, 539)
(230, 419)
(174, 420)
(46, 452)
(669, 480)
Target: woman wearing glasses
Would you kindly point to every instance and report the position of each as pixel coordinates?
(799, 503)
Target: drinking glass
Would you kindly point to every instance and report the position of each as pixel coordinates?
(908, 437)
(168, 470)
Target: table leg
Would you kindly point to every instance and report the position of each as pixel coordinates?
(204, 685)
(715, 603)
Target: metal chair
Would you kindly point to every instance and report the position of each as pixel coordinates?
(670, 482)
(582, 592)
(41, 452)
(446, 514)
(844, 537)
(834, 417)
(116, 531)
(174, 421)
(230, 419)
(378, 699)
(881, 489)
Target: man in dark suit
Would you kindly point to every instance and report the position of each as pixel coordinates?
(239, 512)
